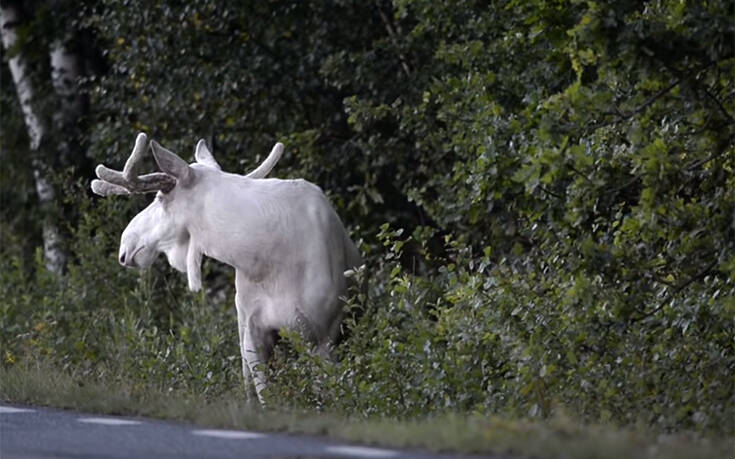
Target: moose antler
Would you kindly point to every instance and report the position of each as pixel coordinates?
(128, 181)
(266, 166)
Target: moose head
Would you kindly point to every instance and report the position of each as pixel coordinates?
(162, 226)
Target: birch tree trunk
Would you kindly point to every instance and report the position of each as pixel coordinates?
(66, 67)
(11, 17)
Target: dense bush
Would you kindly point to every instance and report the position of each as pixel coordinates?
(487, 337)
(543, 191)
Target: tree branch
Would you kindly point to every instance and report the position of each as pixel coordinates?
(392, 35)
(698, 276)
(646, 104)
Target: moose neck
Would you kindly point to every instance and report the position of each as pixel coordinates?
(230, 218)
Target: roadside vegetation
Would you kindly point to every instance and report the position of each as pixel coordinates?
(559, 436)
(544, 193)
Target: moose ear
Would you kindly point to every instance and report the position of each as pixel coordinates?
(171, 164)
(204, 156)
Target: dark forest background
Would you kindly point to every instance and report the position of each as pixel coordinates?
(544, 192)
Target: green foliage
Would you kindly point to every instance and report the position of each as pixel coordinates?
(480, 339)
(543, 191)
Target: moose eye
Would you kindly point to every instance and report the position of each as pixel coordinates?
(161, 198)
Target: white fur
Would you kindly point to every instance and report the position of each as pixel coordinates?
(287, 245)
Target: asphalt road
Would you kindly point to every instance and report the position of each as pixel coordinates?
(34, 433)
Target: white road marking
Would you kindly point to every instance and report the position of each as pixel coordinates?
(228, 434)
(361, 451)
(109, 421)
(10, 409)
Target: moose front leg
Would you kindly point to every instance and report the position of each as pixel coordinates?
(241, 331)
(258, 345)
(252, 360)
(256, 342)
(247, 377)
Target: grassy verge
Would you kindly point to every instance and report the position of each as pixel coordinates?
(47, 386)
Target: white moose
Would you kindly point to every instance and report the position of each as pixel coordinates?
(289, 248)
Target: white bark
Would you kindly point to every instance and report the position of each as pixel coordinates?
(53, 246)
(66, 68)
(10, 18)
